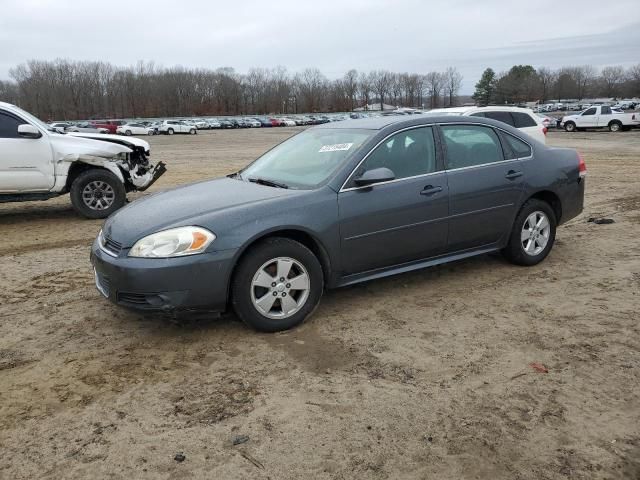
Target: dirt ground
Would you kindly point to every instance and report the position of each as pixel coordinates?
(422, 375)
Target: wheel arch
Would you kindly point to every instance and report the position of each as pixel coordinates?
(79, 167)
(550, 198)
(293, 233)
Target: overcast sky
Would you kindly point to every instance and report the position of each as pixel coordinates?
(333, 35)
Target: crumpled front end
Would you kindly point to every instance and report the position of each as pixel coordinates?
(128, 159)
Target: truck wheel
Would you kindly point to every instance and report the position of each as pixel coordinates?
(570, 127)
(615, 126)
(97, 193)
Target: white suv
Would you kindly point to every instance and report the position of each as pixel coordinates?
(170, 127)
(521, 118)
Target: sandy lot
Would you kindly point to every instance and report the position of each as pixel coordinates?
(424, 375)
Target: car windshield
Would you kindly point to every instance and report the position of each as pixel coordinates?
(308, 159)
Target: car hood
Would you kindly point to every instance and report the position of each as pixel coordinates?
(130, 142)
(69, 145)
(193, 204)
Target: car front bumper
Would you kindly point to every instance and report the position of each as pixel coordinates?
(196, 282)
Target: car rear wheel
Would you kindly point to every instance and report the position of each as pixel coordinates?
(532, 235)
(570, 127)
(277, 285)
(615, 126)
(97, 193)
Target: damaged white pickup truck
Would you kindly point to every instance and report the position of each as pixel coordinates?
(37, 162)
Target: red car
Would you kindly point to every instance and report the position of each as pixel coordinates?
(111, 125)
(275, 122)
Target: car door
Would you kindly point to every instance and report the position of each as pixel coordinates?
(396, 221)
(26, 164)
(588, 118)
(484, 186)
(605, 116)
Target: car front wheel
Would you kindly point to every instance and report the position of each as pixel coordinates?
(570, 127)
(277, 285)
(97, 193)
(533, 234)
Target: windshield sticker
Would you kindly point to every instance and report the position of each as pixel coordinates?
(335, 148)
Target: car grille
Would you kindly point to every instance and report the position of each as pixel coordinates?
(133, 298)
(111, 246)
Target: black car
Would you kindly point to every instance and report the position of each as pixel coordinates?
(335, 205)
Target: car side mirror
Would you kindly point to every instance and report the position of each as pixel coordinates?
(28, 131)
(376, 175)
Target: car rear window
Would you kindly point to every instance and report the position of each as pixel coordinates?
(504, 117)
(519, 148)
(522, 120)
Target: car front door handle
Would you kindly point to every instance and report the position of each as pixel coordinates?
(430, 190)
(511, 174)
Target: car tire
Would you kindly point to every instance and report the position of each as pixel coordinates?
(260, 266)
(193, 131)
(170, 131)
(97, 193)
(570, 127)
(615, 126)
(530, 244)
(151, 132)
(128, 133)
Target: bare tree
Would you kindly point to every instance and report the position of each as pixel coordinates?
(453, 82)
(364, 86)
(381, 81)
(350, 85)
(434, 82)
(612, 78)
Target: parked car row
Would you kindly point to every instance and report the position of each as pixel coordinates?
(580, 106)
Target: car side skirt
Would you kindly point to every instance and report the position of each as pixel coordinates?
(409, 267)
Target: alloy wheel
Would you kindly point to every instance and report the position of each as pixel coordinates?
(280, 288)
(98, 195)
(535, 233)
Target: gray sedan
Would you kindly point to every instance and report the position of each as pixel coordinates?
(335, 205)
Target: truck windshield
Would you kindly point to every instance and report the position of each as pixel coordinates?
(308, 159)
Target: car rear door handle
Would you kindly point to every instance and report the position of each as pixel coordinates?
(430, 190)
(511, 174)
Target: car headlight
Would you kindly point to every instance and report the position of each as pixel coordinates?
(176, 242)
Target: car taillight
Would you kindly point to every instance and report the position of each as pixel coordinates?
(545, 130)
(582, 167)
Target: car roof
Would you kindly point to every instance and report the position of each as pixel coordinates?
(399, 122)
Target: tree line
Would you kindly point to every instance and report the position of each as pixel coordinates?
(523, 83)
(65, 89)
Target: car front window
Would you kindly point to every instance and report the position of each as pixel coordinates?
(308, 159)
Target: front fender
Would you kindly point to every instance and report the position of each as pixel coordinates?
(96, 162)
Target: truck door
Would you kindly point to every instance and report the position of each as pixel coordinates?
(589, 118)
(605, 116)
(26, 164)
